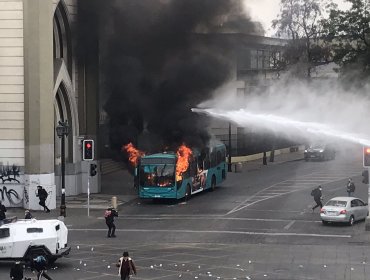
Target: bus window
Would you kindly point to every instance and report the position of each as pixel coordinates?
(219, 157)
(193, 168)
(157, 175)
(213, 159)
(204, 160)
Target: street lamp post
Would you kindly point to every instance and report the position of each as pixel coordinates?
(230, 148)
(63, 130)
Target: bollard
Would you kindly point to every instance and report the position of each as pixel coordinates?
(114, 202)
(238, 167)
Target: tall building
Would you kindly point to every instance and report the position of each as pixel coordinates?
(43, 83)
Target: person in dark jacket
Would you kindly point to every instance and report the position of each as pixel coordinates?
(42, 195)
(350, 187)
(16, 272)
(317, 196)
(39, 264)
(109, 215)
(27, 214)
(126, 266)
(2, 212)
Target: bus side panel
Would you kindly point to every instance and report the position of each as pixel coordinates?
(181, 190)
(219, 172)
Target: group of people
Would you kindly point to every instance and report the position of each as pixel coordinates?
(41, 194)
(125, 264)
(39, 264)
(317, 193)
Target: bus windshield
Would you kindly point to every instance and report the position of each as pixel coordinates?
(152, 175)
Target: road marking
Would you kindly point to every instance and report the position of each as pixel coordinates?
(251, 199)
(182, 217)
(174, 217)
(242, 205)
(289, 225)
(223, 231)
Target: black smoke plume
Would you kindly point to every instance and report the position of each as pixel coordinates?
(160, 58)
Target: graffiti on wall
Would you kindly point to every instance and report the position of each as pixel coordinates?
(9, 173)
(26, 196)
(11, 193)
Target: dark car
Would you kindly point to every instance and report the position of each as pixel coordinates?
(320, 152)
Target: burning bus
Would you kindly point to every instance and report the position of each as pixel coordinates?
(177, 175)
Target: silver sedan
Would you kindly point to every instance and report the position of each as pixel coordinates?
(344, 210)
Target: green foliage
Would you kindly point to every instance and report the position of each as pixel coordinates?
(349, 34)
(302, 22)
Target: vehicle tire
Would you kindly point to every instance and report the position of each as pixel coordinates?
(187, 193)
(213, 183)
(325, 223)
(35, 251)
(351, 220)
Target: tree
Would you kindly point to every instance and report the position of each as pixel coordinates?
(349, 34)
(301, 21)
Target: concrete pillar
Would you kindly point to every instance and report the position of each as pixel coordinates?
(38, 101)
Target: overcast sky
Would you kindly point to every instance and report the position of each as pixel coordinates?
(265, 11)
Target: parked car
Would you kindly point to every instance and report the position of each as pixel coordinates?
(344, 210)
(320, 152)
(27, 239)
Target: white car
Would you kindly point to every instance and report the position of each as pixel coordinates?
(26, 239)
(345, 210)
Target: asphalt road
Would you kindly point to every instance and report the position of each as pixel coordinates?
(257, 225)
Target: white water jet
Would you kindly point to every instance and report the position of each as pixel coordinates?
(297, 110)
(282, 125)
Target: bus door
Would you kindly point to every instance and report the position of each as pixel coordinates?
(198, 175)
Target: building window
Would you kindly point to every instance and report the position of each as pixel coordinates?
(264, 59)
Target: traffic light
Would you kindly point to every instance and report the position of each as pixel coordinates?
(88, 150)
(365, 175)
(93, 170)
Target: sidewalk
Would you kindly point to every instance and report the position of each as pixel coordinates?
(278, 159)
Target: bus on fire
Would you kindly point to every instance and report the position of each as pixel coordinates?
(181, 174)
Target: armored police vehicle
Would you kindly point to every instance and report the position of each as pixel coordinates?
(26, 239)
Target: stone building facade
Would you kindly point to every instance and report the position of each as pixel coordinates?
(41, 83)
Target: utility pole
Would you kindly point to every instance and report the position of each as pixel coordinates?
(229, 159)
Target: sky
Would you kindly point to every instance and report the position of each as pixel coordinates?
(265, 11)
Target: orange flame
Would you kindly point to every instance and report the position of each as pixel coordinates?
(183, 156)
(133, 153)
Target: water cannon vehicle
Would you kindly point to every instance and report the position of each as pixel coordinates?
(26, 239)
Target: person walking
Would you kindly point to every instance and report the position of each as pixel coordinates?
(42, 195)
(16, 272)
(126, 266)
(109, 215)
(317, 196)
(27, 214)
(39, 264)
(2, 213)
(350, 187)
